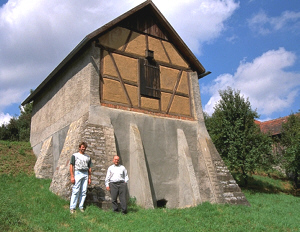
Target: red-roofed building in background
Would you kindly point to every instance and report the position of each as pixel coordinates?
(273, 127)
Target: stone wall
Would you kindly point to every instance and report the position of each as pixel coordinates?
(101, 148)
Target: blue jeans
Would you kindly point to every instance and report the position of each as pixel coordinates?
(79, 189)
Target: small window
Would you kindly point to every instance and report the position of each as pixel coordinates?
(149, 76)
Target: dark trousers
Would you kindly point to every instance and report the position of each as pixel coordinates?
(118, 189)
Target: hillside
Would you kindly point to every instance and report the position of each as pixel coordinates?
(27, 205)
(16, 157)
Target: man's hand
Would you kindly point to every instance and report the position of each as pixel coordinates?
(108, 188)
(72, 174)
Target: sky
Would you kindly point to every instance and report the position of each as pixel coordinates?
(251, 46)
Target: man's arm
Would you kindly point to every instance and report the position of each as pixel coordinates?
(107, 179)
(90, 176)
(72, 173)
(126, 175)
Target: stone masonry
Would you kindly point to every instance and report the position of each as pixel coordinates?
(101, 148)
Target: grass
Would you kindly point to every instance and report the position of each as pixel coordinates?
(27, 205)
(16, 157)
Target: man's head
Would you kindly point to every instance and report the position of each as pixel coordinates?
(82, 147)
(116, 160)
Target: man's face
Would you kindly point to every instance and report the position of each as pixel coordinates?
(116, 160)
(82, 149)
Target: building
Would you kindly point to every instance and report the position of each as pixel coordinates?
(272, 127)
(131, 88)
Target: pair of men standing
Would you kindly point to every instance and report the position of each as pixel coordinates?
(115, 181)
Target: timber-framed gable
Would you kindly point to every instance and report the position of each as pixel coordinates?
(122, 69)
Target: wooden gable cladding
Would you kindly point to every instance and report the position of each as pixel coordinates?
(144, 22)
(159, 84)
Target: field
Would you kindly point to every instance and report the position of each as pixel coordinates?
(26, 204)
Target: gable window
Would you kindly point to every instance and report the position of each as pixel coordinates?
(149, 76)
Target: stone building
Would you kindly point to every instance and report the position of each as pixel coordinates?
(131, 88)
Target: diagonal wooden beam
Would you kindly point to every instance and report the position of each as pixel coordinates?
(121, 79)
(127, 41)
(174, 91)
(162, 44)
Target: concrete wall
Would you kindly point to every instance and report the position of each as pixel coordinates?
(169, 159)
(66, 98)
(159, 140)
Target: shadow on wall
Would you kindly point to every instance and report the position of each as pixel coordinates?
(96, 196)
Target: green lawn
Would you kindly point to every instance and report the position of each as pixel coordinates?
(26, 204)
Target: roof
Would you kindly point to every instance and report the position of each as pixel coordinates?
(273, 127)
(175, 38)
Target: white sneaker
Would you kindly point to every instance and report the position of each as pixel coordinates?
(72, 211)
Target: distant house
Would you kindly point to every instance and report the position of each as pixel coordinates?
(272, 127)
(131, 89)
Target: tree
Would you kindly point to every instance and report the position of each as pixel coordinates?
(291, 147)
(18, 128)
(24, 122)
(239, 141)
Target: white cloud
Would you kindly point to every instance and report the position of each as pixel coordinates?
(197, 21)
(4, 118)
(36, 35)
(265, 81)
(263, 24)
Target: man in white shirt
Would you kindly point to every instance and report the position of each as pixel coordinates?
(116, 182)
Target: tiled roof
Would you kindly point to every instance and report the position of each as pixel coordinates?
(273, 127)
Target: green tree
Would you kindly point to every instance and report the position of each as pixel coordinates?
(4, 132)
(291, 147)
(24, 122)
(12, 129)
(18, 128)
(239, 141)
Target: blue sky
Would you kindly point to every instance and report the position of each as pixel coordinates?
(249, 45)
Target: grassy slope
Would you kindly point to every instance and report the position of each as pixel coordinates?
(27, 205)
(16, 157)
